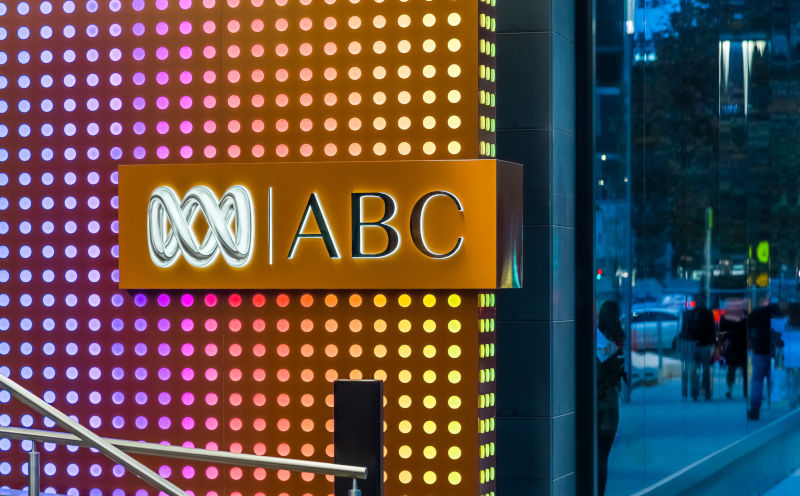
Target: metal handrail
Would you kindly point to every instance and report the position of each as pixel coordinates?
(118, 449)
(193, 454)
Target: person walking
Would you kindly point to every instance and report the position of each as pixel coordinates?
(733, 329)
(760, 343)
(610, 373)
(700, 333)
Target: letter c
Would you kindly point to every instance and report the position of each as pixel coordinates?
(417, 234)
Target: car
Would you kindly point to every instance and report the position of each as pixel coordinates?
(655, 328)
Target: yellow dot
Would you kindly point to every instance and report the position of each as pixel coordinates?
(429, 325)
(404, 426)
(404, 451)
(429, 46)
(454, 122)
(380, 21)
(454, 19)
(454, 402)
(404, 376)
(454, 376)
(379, 123)
(454, 45)
(403, 46)
(379, 300)
(429, 477)
(454, 351)
(379, 149)
(429, 122)
(454, 70)
(429, 452)
(429, 351)
(453, 96)
(404, 300)
(454, 478)
(404, 148)
(404, 71)
(454, 300)
(379, 98)
(454, 326)
(379, 47)
(429, 300)
(429, 20)
(404, 351)
(454, 427)
(379, 325)
(429, 427)
(429, 71)
(404, 97)
(429, 376)
(429, 96)
(404, 21)
(454, 452)
(404, 401)
(379, 72)
(429, 401)
(429, 148)
(379, 351)
(356, 375)
(380, 375)
(404, 325)
(404, 123)
(405, 477)
(454, 147)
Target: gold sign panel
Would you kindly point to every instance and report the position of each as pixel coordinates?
(363, 225)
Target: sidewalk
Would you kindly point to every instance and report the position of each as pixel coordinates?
(789, 486)
(661, 433)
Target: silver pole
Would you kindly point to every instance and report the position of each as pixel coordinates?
(62, 420)
(355, 491)
(194, 454)
(33, 471)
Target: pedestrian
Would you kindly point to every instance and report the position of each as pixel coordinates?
(733, 329)
(700, 333)
(760, 343)
(610, 373)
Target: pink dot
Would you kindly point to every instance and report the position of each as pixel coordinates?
(187, 349)
(187, 324)
(187, 399)
(187, 374)
(210, 151)
(212, 472)
(186, 151)
(187, 423)
(187, 472)
(186, 52)
(162, 127)
(209, 126)
(164, 471)
(162, 152)
(164, 423)
(162, 78)
(209, 52)
(185, 4)
(306, 150)
(209, 102)
(211, 350)
(211, 325)
(185, 27)
(234, 151)
(162, 27)
(163, 325)
(162, 53)
(209, 27)
(163, 300)
(186, 102)
(186, 77)
(211, 300)
(211, 374)
(209, 76)
(211, 399)
(162, 102)
(163, 349)
(186, 300)
(282, 150)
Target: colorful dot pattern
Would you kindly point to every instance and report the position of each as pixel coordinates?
(87, 85)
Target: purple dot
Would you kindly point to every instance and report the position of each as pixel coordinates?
(138, 6)
(187, 374)
(186, 151)
(162, 53)
(162, 102)
(118, 422)
(185, 27)
(141, 373)
(161, 5)
(140, 398)
(186, 102)
(164, 471)
(164, 398)
(164, 423)
(139, 103)
(117, 349)
(117, 324)
(117, 300)
(139, 153)
(163, 300)
(139, 79)
(140, 325)
(118, 471)
(187, 324)
(186, 77)
(186, 52)
(140, 300)
(162, 127)
(187, 349)
(186, 128)
(187, 423)
(163, 325)
(162, 152)
(164, 374)
(141, 423)
(187, 398)
(188, 471)
(162, 78)
(138, 52)
(140, 349)
(118, 398)
(163, 349)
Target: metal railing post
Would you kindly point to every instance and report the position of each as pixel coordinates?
(355, 491)
(358, 434)
(33, 471)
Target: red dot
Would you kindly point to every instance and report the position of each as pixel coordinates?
(211, 300)
(259, 300)
(259, 399)
(282, 300)
(235, 300)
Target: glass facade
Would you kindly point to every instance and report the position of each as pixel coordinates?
(696, 198)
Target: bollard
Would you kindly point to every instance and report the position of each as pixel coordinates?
(358, 434)
(33, 471)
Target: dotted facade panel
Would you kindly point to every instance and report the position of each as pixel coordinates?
(87, 85)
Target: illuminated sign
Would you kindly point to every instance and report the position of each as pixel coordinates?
(414, 224)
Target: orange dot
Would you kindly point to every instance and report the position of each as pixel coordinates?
(354, 124)
(330, 149)
(328, 403)
(283, 399)
(282, 300)
(329, 48)
(331, 375)
(307, 325)
(331, 350)
(356, 325)
(259, 300)
(330, 124)
(282, 325)
(307, 350)
(259, 399)
(283, 375)
(356, 375)
(355, 351)
(307, 375)
(307, 449)
(306, 300)
(354, 98)
(329, 425)
(307, 400)
(331, 325)
(330, 73)
(284, 425)
(331, 300)
(354, 149)
(329, 450)
(307, 425)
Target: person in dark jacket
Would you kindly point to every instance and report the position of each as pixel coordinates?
(760, 341)
(733, 328)
(610, 373)
(700, 331)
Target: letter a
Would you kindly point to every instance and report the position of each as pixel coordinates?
(314, 208)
